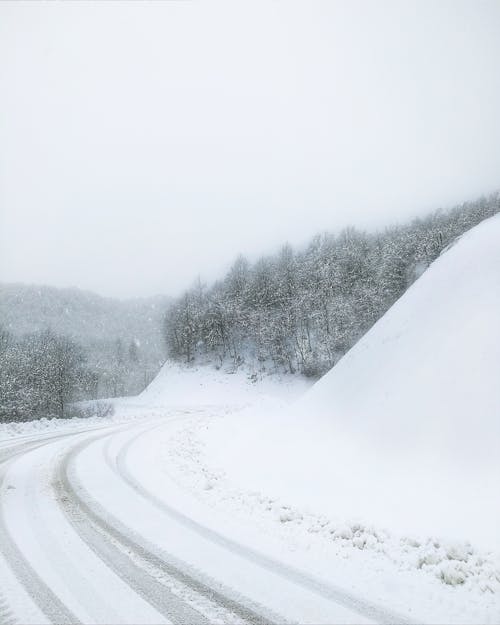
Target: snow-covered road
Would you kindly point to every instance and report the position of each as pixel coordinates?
(91, 532)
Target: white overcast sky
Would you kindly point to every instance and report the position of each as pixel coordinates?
(142, 144)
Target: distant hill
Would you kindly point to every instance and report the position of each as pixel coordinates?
(122, 338)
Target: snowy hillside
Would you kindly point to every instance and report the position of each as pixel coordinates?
(122, 339)
(427, 372)
(83, 315)
(405, 431)
(178, 384)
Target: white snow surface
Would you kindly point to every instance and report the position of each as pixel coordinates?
(182, 385)
(178, 386)
(404, 432)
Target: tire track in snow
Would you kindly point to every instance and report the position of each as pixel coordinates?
(333, 593)
(100, 530)
(40, 593)
(50, 605)
(6, 616)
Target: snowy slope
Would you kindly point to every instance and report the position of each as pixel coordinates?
(428, 371)
(404, 431)
(182, 385)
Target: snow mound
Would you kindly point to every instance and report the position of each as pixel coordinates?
(178, 384)
(415, 404)
(404, 432)
(427, 374)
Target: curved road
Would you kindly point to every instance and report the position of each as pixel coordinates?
(83, 539)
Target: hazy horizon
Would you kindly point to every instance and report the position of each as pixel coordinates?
(298, 246)
(144, 144)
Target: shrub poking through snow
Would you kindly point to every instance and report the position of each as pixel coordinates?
(451, 574)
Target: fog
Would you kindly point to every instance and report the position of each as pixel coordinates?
(144, 144)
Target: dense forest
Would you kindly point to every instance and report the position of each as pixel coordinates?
(301, 310)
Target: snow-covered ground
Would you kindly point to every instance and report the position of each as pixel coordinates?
(263, 551)
(212, 497)
(424, 578)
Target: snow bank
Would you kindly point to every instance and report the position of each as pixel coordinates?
(427, 374)
(434, 580)
(178, 384)
(404, 431)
